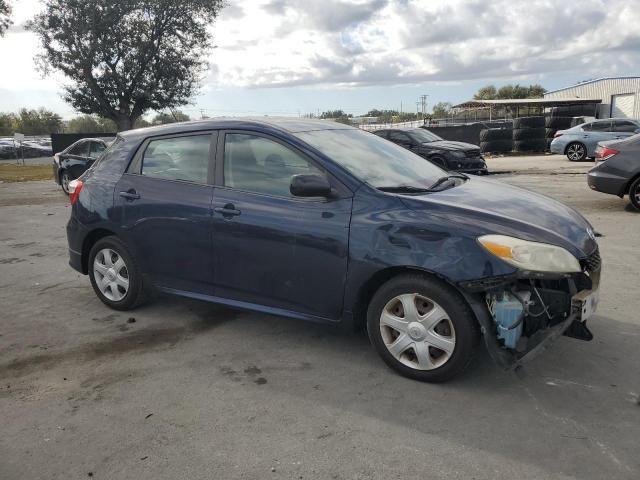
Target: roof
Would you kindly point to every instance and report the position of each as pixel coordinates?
(591, 81)
(288, 124)
(545, 102)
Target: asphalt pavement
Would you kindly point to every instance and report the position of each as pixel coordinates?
(182, 389)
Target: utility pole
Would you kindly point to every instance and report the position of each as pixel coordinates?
(202, 113)
(423, 101)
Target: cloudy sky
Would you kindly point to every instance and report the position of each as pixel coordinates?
(297, 56)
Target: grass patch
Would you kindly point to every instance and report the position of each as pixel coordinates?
(25, 173)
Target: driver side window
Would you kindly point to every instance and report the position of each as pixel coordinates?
(257, 164)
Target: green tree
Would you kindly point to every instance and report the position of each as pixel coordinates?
(8, 123)
(38, 122)
(338, 116)
(124, 58)
(510, 92)
(91, 124)
(171, 117)
(486, 93)
(5, 16)
(442, 110)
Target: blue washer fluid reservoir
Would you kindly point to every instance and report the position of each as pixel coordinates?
(508, 312)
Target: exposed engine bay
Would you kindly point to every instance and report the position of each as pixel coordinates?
(532, 309)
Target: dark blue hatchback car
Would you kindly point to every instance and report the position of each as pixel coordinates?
(324, 222)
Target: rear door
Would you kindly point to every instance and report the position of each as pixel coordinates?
(165, 204)
(595, 132)
(271, 248)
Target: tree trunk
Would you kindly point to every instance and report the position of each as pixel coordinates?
(124, 123)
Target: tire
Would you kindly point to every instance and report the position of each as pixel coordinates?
(530, 145)
(65, 178)
(491, 134)
(558, 123)
(455, 329)
(496, 146)
(634, 193)
(576, 152)
(528, 133)
(114, 295)
(528, 122)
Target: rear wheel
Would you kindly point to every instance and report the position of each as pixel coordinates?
(634, 193)
(422, 328)
(65, 179)
(114, 274)
(576, 152)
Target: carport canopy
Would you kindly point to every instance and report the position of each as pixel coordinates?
(529, 102)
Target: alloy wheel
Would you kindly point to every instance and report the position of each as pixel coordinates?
(111, 274)
(575, 152)
(417, 331)
(65, 180)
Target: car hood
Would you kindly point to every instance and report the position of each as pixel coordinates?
(451, 145)
(483, 206)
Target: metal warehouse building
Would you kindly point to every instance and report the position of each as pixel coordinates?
(620, 95)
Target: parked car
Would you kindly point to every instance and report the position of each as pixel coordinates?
(450, 155)
(617, 169)
(579, 143)
(76, 159)
(320, 221)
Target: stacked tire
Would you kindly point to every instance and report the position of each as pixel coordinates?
(529, 134)
(496, 140)
(553, 124)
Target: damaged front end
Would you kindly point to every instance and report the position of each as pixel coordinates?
(521, 315)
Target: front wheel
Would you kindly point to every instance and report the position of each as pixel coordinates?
(634, 193)
(576, 152)
(114, 274)
(422, 328)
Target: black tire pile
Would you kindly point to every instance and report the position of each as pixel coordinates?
(496, 140)
(529, 134)
(553, 124)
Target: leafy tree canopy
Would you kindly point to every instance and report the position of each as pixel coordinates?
(91, 124)
(5, 16)
(510, 92)
(126, 57)
(442, 110)
(30, 122)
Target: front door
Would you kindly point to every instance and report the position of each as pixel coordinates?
(271, 248)
(165, 201)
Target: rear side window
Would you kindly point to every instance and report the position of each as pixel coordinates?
(178, 158)
(81, 149)
(399, 137)
(383, 133)
(257, 164)
(600, 126)
(96, 149)
(624, 126)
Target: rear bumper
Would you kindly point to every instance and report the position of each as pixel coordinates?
(76, 233)
(606, 183)
(557, 147)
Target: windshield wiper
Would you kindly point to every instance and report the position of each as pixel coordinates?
(404, 189)
(442, 180)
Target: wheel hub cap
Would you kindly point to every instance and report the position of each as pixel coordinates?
(417, 331)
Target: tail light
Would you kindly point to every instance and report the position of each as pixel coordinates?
(604, 153)
(556, 135)
(75, 186)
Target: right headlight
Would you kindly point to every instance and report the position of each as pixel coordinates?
(539, 257)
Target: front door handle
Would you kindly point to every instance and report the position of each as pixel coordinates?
(227, 211)
(130, 195)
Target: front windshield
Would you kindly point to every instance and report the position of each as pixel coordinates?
(372, 159)
(424, 136)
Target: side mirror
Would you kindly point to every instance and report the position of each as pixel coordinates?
(310, 186)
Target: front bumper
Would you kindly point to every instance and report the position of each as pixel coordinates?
(606, 182)
(568, 297)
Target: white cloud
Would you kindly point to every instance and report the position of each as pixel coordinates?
(378, 42)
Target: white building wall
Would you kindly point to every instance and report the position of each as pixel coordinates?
(603, 89)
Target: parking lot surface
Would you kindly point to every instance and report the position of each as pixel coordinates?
(183, 389)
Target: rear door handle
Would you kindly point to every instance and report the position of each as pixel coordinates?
(227, 211)
(130, 195)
